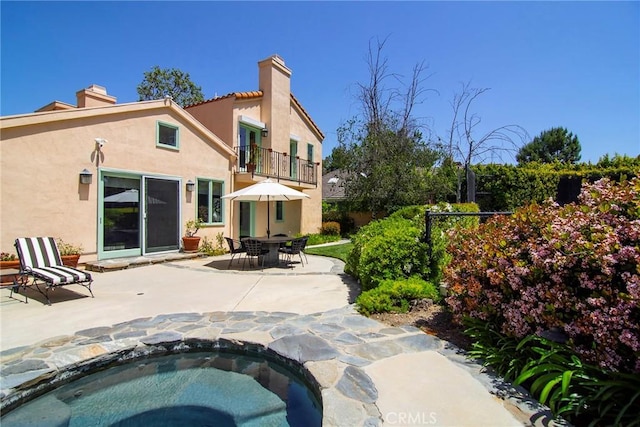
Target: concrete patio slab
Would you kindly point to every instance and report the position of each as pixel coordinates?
(172, 287)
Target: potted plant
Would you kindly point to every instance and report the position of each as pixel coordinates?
(69, 253)
(190, 241)
(8, 262)
(254, 158)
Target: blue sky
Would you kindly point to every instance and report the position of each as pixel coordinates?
(570, 64)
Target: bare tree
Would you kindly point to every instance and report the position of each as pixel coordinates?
(465, 146)
(378, 101)
(374, 97)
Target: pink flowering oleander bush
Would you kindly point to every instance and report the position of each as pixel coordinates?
(575, 268)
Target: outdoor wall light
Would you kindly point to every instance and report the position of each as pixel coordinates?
(101, 142)
(191, 186)
(265, 132)
(85, 176)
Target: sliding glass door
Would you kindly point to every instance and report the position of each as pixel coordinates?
(138, 215)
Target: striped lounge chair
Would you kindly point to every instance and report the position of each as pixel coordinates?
(40, 260)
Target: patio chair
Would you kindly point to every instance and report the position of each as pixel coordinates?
(304, 245)
(40, 260)
(235, 247)
(254, 249)
(294, 249)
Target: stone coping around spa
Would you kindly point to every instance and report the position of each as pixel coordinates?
(332, 348)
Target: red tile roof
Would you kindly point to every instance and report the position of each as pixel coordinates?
(258, 94)
(238, 95)
(247, 95)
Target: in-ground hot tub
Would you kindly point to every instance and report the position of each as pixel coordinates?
(219, 388)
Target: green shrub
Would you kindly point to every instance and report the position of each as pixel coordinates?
(330, 228)
(413, 213)
(207, 247)
(347, 224)
(394, 247)
(389, 248)
(394, 296)
(318, 239)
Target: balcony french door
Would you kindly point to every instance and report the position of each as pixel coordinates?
(293, 163)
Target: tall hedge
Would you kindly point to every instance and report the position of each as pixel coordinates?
(507, 187)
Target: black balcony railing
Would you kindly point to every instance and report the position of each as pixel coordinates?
(272, 164)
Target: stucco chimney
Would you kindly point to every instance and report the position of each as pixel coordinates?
(94, 96)
(275, 84)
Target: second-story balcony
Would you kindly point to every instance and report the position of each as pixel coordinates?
(266, 162)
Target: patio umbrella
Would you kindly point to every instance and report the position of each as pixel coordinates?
(269, 191)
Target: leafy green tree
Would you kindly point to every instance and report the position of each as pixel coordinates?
(161, 82)
(555, 144)
(338, 159)
(443, 181)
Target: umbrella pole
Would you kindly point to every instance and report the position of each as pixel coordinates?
(268, 220)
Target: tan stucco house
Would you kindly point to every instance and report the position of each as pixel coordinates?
(122, 179)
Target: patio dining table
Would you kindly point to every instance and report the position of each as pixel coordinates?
(272, 244)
